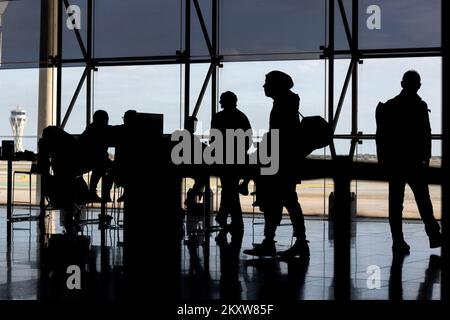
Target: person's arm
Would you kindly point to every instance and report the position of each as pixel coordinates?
(427, 136)
(381, 133)
(247, 126)
(213, 126)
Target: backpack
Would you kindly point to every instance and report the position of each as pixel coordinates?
(314, 133)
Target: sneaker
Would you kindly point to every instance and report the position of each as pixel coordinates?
(300, 248)
(435, 241)
(265, 248)
(400, 248)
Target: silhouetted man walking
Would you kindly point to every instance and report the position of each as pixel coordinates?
(404, 149)
(279, 191)
(230, 118)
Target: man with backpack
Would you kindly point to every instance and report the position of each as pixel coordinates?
(403, 140)
(279, 190)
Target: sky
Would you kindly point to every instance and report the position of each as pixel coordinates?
(157, 89)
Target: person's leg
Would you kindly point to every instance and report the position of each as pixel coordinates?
(95, 178)
(106, 187)
(225, 202)
(199, 184)
(271, 204)
(422, 195)
(272, 218)
(295, 212)
(396, 197)
(243, 187)
(294, 209)
(93, 182)
(99, 169)
(235, 205)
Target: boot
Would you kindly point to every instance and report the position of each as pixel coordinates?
(435, 240)
(400, 247)
(265, 248)
(300, 248)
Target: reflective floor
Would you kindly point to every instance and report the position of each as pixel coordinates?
(224, 272)
(25, 276)
(214, 267)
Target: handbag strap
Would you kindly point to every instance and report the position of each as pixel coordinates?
(301, 114)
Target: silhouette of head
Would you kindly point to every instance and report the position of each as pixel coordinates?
(129, 117)
(191, 124)
(101, 118)
(411, 81)
(50, 132)
(228, 100)
(277, 82)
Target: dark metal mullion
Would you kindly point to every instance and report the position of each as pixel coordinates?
(135, 58)
(372, 136)
(59, 66)
(204, 29)
(343, 94)
(399, 55)
(203, 90)
(392, 51)
(161, 59)
(74, 98)
(78, 35)
(88, 96)
(187, 57)
(366, 54)
(346, 25)
(445, 276)
(355, 57)
(331, 70)
(89, 64)
(215, 60)
(147, 63)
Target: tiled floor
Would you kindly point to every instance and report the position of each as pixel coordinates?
(216, 268)
(21, 272)
(416, 277)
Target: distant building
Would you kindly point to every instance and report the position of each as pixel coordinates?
(18, 120)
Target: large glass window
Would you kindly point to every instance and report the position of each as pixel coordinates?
(379, 81)
(19, 91)
(246, 80)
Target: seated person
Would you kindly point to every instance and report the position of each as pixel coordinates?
(59, 162)
(95, 141)
(199, 181)
(119, 137)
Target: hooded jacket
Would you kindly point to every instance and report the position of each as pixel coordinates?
(285, 117)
